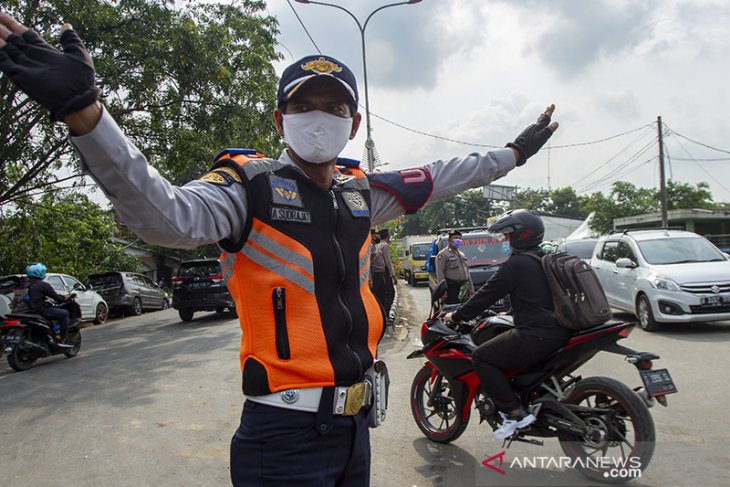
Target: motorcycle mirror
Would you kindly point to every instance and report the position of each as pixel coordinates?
(439, 292)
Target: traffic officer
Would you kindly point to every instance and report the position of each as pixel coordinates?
(451, 265)
(381, 267)
(295, 237)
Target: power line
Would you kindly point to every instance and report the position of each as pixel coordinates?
(637, 139)
(623, 169)
(695, 161)
(674, 132)
(698, 159)
(474, 144)
(303, 26)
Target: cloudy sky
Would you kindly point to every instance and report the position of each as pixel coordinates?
(479, 71)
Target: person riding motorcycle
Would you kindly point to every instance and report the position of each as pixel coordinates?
(38, 292)
(537, 332)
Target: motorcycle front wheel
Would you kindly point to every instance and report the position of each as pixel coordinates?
(20, 360)
(434, 407)
(74, 339)
(620, 442)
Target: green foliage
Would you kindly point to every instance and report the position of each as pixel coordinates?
(181, 81)
(468, 209)
(559, 201)
(70, 234)
(625, 199)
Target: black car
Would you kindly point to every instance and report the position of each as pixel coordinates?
(199, 286)
(128, 292)
(484, 253)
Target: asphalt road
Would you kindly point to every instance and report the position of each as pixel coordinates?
(693, 434)
(154, 401)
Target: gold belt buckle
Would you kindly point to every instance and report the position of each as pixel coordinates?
(358, 395)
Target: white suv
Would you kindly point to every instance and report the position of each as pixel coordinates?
(664, 276)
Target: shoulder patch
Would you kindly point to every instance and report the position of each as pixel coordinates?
(222, 176)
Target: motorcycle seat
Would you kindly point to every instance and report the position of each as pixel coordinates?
(606, 326)
(29, 316)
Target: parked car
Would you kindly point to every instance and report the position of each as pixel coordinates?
(484, 253)
(92, 304)
(664, 276)
(199, 286)
(128, 292)
(580, 247)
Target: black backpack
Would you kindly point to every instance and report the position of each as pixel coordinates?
(578, 298)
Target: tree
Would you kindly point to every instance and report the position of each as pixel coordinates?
(683, 195)
(533, 200)
(182, 81)
(70, 234)
(625, 199)
(559, 201)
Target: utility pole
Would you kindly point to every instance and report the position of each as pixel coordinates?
(662, 183)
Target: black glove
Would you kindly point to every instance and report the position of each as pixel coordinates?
(62, 82)
(532, 139)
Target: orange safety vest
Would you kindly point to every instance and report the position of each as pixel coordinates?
(299, 277)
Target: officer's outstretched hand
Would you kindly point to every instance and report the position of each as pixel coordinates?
(534, 137)
(61, 81)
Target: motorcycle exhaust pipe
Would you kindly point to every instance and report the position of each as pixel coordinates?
(34, 348)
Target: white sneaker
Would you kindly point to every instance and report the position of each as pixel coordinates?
(512, 424)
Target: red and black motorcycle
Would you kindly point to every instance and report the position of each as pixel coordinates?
(26, 337)
(600, 422)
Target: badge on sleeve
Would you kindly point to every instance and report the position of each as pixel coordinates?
(222, 176)
(356, 204)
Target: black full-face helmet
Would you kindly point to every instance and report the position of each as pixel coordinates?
(522, 228)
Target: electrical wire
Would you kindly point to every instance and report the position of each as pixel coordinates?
(303, 26)
(624, 149)
(676, 136)
(674, 132)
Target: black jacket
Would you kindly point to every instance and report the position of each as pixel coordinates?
(38, 291)
(523, 279)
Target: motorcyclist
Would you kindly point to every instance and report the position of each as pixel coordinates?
(537, 332)
(39, 291)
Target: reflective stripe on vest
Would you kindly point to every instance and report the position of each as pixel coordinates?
(306, 312)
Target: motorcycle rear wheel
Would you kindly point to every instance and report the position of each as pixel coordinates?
(75, 340)
(20, 360)
(441, 421)
(624, 436)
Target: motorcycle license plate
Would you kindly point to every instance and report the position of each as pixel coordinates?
(658, 382)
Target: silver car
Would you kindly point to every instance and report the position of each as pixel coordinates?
(664, 276)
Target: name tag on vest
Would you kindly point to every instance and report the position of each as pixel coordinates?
(291, 215)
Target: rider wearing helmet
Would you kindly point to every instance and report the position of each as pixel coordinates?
(536, 333)
(39, 290)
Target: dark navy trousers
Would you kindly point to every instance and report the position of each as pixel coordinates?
(279, 447)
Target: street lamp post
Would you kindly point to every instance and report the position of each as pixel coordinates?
(369, 142)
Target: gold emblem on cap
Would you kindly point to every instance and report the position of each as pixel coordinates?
(321, 66)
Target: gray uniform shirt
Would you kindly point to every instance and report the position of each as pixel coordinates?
(200, 213)
(451, 264)
(381, 261)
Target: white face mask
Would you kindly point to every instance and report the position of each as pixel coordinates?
(316, 136)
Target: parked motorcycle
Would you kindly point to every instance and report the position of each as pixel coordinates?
(601, 423)
(26, 337)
